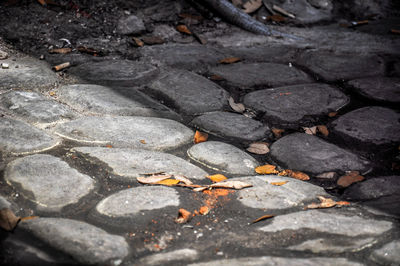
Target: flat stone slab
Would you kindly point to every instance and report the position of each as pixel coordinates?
(257, 74)
(382, 89)
(321, 245)
(85, 243)
(18, 137)
(263, 195)
(4, 203)
(369, 125)
(341, 66)
(188, 92)
(232, 125)
(34, 107)
(308, 153)
(374, 188)
(26, 73)
(148, 133)
(115, 72)
(97, 99)
(328, 222)
(48, 181)
(291, 105)
(223, 157)
(128, 164)
(262, 53)
(388, 254)
(185, 254)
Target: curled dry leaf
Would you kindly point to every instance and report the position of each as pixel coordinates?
(200, 137)
(349, 178)
(326, 203)
(297, 175)
(168, 182)
(184, 216)
(266, 169)
(310, 130)
(237, 107)
(138, 42)
(258, 148)
(236, 184)
(251, 6)
(323, 130)
(29, 218)
(183, 29)
(278, 183)
(154, 179)
(204, 210)
(229, 60)
(200, 189)
(277, 132)
(60, 51)
(332, 114)
(216, 78)
(264, 217)
(8, 220)
(183, 179)
(217, 178)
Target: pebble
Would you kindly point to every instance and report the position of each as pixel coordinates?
(381, 89)
(321, 245)
(185, 254)
(388, 254)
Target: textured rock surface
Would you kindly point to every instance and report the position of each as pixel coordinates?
(321, 245)
(381, 186)
(379, 89)
(388, 254)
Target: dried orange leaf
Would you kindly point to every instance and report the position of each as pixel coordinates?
(152, 179)
(277, 132)
(310, 130)
(258, 148)
(138, 42)
(332, 114)
(264, 217)
(235, 184)
(341, 203)
(52, 93)
(168, 182)
(183, 179)
(204, 210)
(60, 51)
(252, 5)
(276, 18)
(109, 146)
(216, 78)
(350, 178)
(29, 218)
(297, 175)
(8, 220)
(237, 107)
(229, 60)
(323, 130)
(324, 203)
(142, 141)
(266, 169)
(183, 29)
(278, 183)
(217, 178)
(183, 216)
(200, 137)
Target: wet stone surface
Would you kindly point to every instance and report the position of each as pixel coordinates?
(321, 245)
(374, 188)
(380, 89)
(388, 254)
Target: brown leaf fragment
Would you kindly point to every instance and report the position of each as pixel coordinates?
(229, 60)
(266, 169)
(349, 178)
(323, 130)
(251, 6)
(310, 130)
(216, 78)
(183, 179)
(332, 114)
(262, 218)
(395, 31)
(276, 18)
(184, 216)
(277, 132)
(152, 179)
(200, 189)
(142, 141)
(204, 210)
(89, 50)
(61, 66)
(258, 148)
(8, 220)
(278, 183)
(327, 175)
(200, 137)
(297, 175)
(235, 184)
(358, 23)
(217, 178)
(29, 218)
(137, 42)
(168, 182)
(151, 40)
(326, 203)
(183, 29)
(60, 51)
(237, 107)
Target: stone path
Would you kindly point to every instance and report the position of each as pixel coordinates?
(72, 147)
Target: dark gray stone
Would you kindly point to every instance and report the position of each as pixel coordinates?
(130, 25)
(388, 254)
(341, 66)
(377, 187)
(381, 89)
(322, 245)
(372, 125)
(232, 125)
(179, 255)
(86, 243)
(115, 72)
(244, 75)
(291, 105)
(188, 92)
(307, 11)
(264, 53)
(308, 153)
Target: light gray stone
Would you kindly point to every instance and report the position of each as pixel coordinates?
(132, 201)
(188, 92)
(48, 181)
(34, 108)
(96, 99)
(130, 164)
(308, 153)
(18, 137)
(341, 66)
(244, 75)
(4, 203)
(388, 254)
(26, 73)
(331, 245)
(307, 11)
(185, 254)
(374, 188)
(291, 105)
(130, 25)
(148, 133)
(328, 222)
(223, 157)
(263, 195)
(369, 125)
(381, 89)
(86, 243)
(232, 125)
(115, 72)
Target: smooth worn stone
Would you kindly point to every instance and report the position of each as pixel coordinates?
(232, 125)
(188, 92)
(260, 74)
(382, 89)
(341, 66)
(96, 99)
(115, 72)
(185, 254)
(273, 261)
(48, 181)
(374, 188)
(307, 11)
(223, 157)
(129, 164)
(263, 195)
(148, 133)
(27, 73)
(308, 153)
(4, 203)
(34, 107)
(388, 254)
(288, 106)
(132, 201)
(321, 245)
(85, 243)
(130, 25)
(264, 53)
(372, 125)
(18, 137)
(328, 222)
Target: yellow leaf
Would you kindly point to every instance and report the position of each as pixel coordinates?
(266, 169)
(278, 183)
(168, 182)
(217, 178)
(200, 137)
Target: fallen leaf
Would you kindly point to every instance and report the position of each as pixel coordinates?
(217, 178)
(327, 175)
(236, 184)
(251, 6)
(204, 210)
(277, 132)
(60, 51)
(200, 137)
(216, 78)
(109, 146)
(138, 42)
(395, 31)
(237, 107)
(341, 203)
(52, 93)
(200, 189)
(88, 50)
(326, 203)
(264, 217)
(152, 179)
(332, 114)
(258, 148)
(168, 182)
(323, 130)
(8, 220)
(183, 179)
(183, 216)
(142, 141)
(229, 60)
(297, 175)
(349, 178)
(278, 183)
(266, 169)
(276, 18)
(310, 130)
(183, 29)
(29, 218)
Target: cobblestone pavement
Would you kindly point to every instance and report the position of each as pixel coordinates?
(73, 143)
